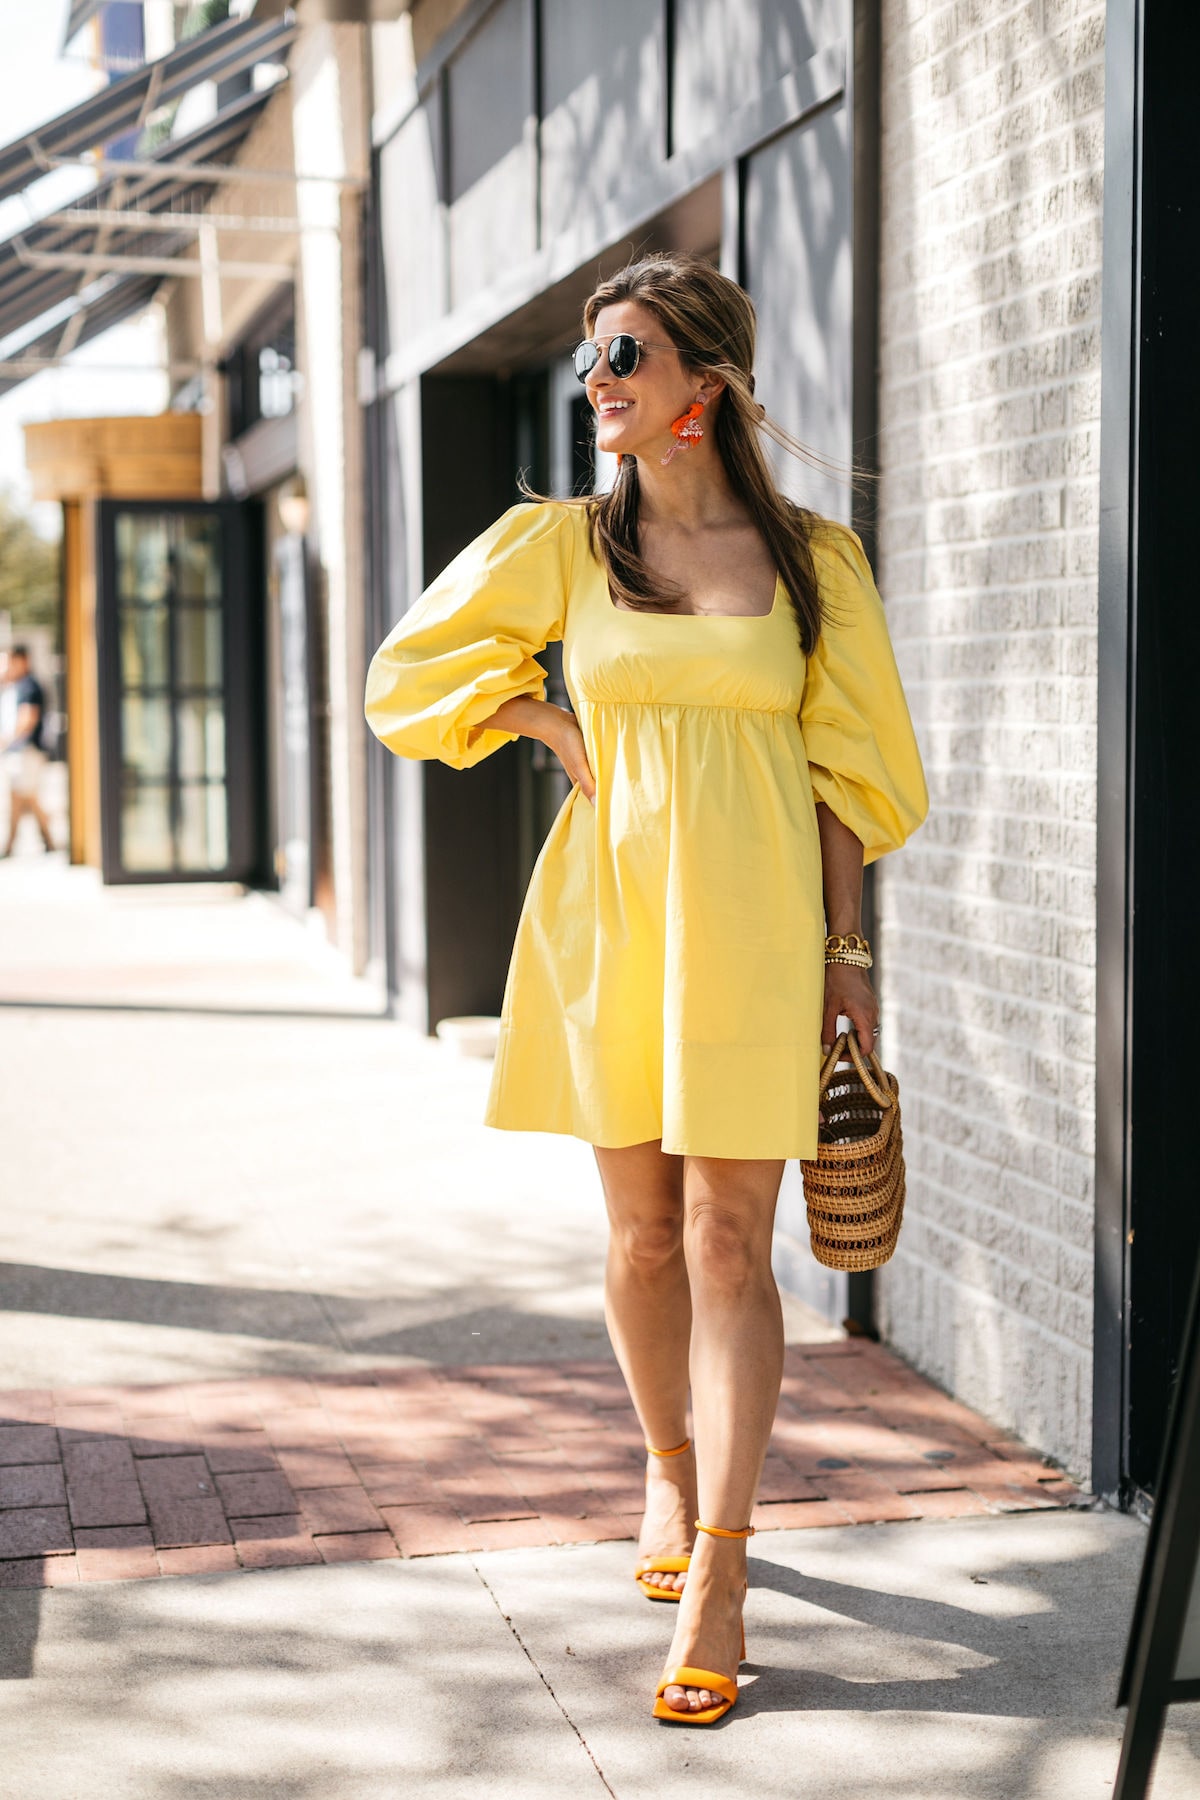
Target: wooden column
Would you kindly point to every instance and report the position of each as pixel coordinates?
(81, 461)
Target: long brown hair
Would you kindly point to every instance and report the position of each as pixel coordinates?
(710, 321)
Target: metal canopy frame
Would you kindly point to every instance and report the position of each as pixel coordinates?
(136, 226)
(133, 219)
(95, 262)
(334, 12)
(199, 172)
(25, 293)
(31, 285)
(115, 301)
(124, 105)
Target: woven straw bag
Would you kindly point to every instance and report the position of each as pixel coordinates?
(854, 1187)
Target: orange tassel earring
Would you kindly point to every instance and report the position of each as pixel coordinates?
(687, 430)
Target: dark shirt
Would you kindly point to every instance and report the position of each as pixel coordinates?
(30, 693)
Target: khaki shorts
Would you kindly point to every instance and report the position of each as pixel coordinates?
(23, 771)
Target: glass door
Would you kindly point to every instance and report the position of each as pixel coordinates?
(180, 693)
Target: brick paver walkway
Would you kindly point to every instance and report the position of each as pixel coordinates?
(109, 1483)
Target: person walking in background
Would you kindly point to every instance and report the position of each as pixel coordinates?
(22, 728)
(739, 747)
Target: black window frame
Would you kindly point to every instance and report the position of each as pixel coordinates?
(276, 323)
(241, 605)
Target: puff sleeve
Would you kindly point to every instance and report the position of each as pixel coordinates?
(469, 643)
(862, 753)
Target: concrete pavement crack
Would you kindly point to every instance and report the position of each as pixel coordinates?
(545, 1680)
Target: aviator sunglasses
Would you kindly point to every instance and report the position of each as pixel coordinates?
(624, 354)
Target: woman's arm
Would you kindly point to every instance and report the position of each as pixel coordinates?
(847, 990)
(551, 725)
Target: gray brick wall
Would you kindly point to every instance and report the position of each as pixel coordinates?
(990, 377)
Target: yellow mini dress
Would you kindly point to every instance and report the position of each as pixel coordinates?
(668, 973)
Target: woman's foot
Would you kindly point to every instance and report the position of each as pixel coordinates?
(667, 1528)
(708, 1633)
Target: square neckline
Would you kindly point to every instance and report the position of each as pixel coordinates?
(746, 618)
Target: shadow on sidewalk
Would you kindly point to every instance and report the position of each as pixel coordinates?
(975, 1661)
(338, 1323)
(966, 1661)
(317, 1685)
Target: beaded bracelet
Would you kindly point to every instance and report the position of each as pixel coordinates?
(850, 949)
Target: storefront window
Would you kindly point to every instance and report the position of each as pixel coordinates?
(264, 382)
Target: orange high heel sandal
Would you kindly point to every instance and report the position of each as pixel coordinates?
(687, 1677)
(663, 1565)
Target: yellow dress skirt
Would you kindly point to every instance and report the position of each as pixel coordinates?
(668, 971)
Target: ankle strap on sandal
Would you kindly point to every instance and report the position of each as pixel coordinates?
(720, 1531)
(677, 1451)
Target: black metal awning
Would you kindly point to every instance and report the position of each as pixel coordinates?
(102, 258)
(29, 288)
(124, 105)
(334, 12)
(115, 299)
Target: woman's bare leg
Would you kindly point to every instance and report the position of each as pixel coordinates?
(736, 1365)
(649, 1314)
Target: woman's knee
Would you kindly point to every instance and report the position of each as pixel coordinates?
(648, 1242)
(726, 1252)
(643, 1194)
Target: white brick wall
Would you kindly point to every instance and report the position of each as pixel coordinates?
(990, 377)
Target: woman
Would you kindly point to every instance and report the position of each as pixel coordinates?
(739, 747)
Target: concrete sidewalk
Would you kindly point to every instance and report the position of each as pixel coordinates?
(970, 1660)
(68, 940)
(204, 1198)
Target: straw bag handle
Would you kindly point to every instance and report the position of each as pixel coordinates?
(879, 1090)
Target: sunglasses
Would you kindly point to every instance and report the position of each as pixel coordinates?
(624, 355)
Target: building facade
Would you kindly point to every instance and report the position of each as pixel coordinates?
(918, 197)
(959, 223)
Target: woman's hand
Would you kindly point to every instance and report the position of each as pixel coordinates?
(567, 743)
(849, 991)
(551, 725)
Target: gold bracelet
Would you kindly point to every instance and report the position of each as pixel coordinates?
(850, 949)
